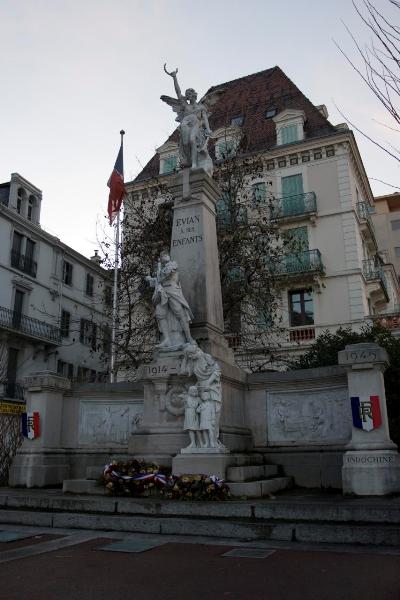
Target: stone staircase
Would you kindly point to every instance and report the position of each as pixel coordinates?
(251, 477)
(248, 476)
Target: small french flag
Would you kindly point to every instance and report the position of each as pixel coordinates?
(366, 412)
(30, 425)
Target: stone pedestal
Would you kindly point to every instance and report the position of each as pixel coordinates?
(371, 464)
(201, 464)
(41, 462)
(161, 434)
(194, 247)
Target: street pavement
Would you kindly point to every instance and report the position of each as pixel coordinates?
(87, 565)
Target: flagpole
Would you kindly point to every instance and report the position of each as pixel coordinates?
(115, 290)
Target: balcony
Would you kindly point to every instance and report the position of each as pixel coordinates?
(23, 263)
(365, 220)
(294, 207)
(302, 263)
(227, 220)
(14, 391)
(374, 273)
(28, 327)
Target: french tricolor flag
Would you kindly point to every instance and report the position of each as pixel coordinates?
(30, 425)
(116, 185)
(366, 412)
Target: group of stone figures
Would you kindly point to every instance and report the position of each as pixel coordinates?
(173, 314)
(203, 400)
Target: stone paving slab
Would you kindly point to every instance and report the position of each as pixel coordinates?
(131, 545)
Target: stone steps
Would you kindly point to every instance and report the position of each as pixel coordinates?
(247, 476)
(250, 472)
(333, 521)
(259, 488)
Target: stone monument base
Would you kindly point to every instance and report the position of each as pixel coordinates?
(371, 472)
(201, 464)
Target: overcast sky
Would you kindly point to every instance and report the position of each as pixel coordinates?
(73, 73)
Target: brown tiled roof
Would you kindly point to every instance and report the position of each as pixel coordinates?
(250, 96)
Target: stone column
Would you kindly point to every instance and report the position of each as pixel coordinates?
(41, 461)
(371, 464)
(194, 247)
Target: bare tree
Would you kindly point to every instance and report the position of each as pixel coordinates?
(379, 63)
(250, 245)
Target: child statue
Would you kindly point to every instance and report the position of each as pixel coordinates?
(191, 423)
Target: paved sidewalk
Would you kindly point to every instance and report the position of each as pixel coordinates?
(75, 566)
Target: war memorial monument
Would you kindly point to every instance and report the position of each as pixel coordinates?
(192, 407)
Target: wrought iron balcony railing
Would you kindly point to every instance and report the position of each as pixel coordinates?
(226, 219)
(294, 206)
(363, 212)
(23, 263)
(306, 261)
(28, 326)
(14, 390)
(373, 270)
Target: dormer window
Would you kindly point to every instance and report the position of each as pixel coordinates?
(237, 121)
(289, 126)
(169, 164)
(168, 154)
(225, 149)
(270, 112)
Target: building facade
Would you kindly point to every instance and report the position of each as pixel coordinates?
(53, 301)
(314, 184)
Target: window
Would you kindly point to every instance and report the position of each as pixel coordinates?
(317, 154)
(292, 195)
(20, 198)
(65, 369)
(31, 204)
(169, 164)
(270, 166)
(238, 121)
(264, 319)
(65, 323)
(67, 272)
(108, 295)
(88, 331)
(289, 134)
(305, 158)
(301, 309)
(282, 162)
(83, 374)
(21, 261)
(294, 160)
(106, 339)
(259, 194)
(226, 149)
(270, 112)
(330, 151)
(397, 251)
(396, 225)
(89, 284)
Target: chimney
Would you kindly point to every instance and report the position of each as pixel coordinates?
(96, 258)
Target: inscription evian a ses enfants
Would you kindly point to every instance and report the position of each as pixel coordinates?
(187, 226)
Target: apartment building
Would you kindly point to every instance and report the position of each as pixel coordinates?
(53, 301)
(313, 183)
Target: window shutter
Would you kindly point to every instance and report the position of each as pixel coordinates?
(94, 336)
(259, 194)
(82, 331)
(289, 134)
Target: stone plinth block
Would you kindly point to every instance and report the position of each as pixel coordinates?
(371, 466)
(371, 473)
(194, 247)
(201, 464)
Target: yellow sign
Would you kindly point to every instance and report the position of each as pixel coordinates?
(10, 408)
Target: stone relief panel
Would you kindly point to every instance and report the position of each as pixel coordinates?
(308, 417)
(105, 423)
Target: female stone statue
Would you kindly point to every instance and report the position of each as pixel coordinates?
(173, 313)
(194, 127)
(208, 374)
